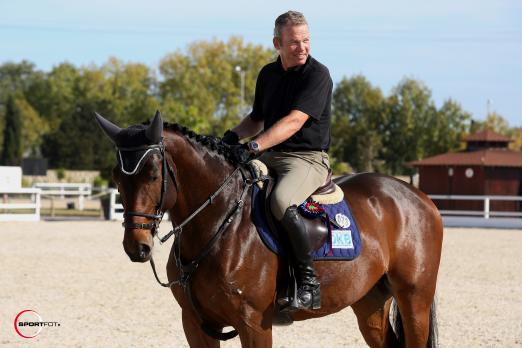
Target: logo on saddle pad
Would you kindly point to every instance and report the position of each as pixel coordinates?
(342, 220)
(342, 239)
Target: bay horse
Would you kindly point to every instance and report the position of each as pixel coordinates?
(222, 274)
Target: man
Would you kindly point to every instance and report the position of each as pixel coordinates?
(291, 119)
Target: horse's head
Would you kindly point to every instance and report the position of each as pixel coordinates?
(141, 176)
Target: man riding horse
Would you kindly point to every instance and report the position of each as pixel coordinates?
(290, 120)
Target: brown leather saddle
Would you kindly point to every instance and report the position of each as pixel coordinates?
(315, 227)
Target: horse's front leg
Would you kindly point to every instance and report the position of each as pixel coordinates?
(195, 336)
(255, 336)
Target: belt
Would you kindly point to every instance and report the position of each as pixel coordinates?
(283, 149)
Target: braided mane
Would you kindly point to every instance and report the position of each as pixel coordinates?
(212, 143)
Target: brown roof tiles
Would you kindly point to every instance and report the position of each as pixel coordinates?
(487, 158)
(486, 135)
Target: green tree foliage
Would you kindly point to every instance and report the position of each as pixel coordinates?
(411, 114)
(374, 133)
(56, 97)
(494, 122)
(122, 92)
(358, 118)
(517, 139)
(12, 147)
(201, 88)
(33, 127)
(16, 79)
(78, 142)
(450, 124)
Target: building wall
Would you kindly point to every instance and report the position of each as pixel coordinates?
(483, 181)
(464, 180)
(504, 181)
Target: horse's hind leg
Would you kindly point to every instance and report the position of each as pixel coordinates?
(414, 307)
(372, 313)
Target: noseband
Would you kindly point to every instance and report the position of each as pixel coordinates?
(158, 215)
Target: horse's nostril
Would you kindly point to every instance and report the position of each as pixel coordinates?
(143, 251)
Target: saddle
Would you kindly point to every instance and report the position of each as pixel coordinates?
(328, 193)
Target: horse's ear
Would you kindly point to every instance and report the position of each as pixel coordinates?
(109, 128)
(155, 130)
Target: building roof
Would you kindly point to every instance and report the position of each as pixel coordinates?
(487, 158)
(486, 135)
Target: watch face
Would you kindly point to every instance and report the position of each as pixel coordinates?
(254, 146)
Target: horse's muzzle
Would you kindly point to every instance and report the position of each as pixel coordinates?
(141, 254)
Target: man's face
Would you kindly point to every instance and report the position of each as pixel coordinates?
(293, 45)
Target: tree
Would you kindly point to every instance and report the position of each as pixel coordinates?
(450, 123)
(410, 115)
(15, 81)
(499, 124)
(56, 96)
(79, 144)
(358, 118)
(130, 90)
(494, 122)
(12, 146)
(517, 139)
(33, 127)
(201, 88)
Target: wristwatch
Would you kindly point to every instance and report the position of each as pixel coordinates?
(253, 147)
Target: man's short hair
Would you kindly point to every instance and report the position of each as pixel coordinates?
(290, 17)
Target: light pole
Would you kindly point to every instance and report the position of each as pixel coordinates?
(242, 89)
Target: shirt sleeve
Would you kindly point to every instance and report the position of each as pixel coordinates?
(313, 93)
(257, 108)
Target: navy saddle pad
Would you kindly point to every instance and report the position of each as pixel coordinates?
(343, 241)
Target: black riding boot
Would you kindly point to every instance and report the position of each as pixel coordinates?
(308, 293)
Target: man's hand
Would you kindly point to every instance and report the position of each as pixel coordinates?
(230, 138)
(240, 153)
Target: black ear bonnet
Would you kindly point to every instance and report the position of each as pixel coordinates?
(131, 158)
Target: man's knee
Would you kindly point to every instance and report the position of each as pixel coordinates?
(278, 205)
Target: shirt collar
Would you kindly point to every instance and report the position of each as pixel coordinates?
(294, 69)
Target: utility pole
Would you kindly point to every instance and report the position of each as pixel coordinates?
(241, 73)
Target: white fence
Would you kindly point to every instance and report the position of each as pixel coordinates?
(14, 208)
(115, 209)
(486, 212)
(66, 189)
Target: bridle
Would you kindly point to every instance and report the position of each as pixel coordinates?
(187, 269)
(158, 215)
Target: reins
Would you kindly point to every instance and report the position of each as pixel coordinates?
(186, 270)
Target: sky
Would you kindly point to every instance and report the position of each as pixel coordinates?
(467, 50)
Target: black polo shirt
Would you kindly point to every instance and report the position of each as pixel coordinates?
(307, 88)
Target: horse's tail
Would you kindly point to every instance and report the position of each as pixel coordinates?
(399, 330)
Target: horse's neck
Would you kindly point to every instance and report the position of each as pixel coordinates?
(200, 174)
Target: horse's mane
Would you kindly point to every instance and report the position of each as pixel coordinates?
(211, 143)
